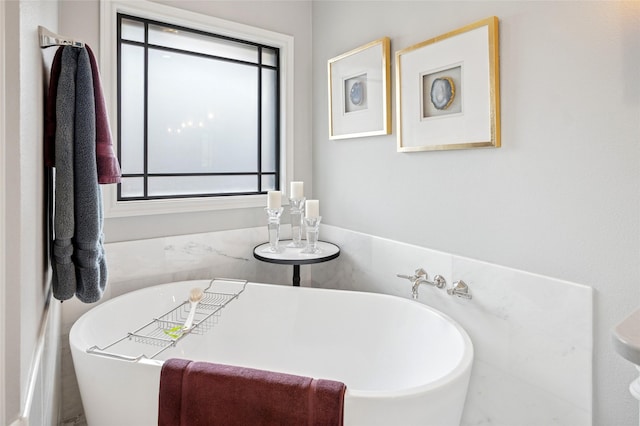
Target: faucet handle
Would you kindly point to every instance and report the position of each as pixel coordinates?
(460, 289)
(439, 281)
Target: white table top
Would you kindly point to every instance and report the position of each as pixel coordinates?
(294, 255)
(627, 337)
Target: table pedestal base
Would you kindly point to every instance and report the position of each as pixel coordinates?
(296, 275)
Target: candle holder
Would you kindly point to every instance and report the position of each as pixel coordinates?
(313, 229)
(273, 225)
(297, 215)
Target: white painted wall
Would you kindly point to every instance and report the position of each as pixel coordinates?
(11, 341)
(3, 417)
(27, 271)
(80, 19)
(560, 198)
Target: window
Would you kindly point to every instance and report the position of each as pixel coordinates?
(201, 109)
(197, 112)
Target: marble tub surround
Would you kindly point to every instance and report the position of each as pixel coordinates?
(134, 265)
(226, 254)
(532, 334)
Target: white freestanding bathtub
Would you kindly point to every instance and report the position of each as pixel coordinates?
(403, 363)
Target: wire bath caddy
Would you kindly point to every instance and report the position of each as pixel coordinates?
(167, 330)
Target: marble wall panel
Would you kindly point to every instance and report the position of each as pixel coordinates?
(532, 335)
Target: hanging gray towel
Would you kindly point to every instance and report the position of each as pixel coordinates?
(77, 185)
(90, 262)
(64, 272)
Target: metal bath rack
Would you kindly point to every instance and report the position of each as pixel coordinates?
(167, 330)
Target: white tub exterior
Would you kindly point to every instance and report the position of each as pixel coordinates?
(403, 363)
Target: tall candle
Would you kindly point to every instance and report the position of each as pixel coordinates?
(274, 199)
(297, 190)
(312, 208)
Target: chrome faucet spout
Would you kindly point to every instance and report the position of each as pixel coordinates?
(421, 277)
(414, 288)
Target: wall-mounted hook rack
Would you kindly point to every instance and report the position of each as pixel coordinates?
(49, 38)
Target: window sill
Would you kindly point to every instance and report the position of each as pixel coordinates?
(114, 208)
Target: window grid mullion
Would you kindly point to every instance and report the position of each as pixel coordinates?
(197, 54)
(277, 119)
(119, 94)
(260, 119)
(145, 161)
(201, 174)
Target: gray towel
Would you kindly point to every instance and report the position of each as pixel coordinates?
(90, 262)
(64, 272)
(80, 215)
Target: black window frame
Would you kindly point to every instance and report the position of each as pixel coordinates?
(145, 175)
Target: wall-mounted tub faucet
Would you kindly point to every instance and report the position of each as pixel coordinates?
(421, 277)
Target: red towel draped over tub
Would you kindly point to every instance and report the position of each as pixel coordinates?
(196, 393)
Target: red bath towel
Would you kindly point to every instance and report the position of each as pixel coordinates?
(201, 393)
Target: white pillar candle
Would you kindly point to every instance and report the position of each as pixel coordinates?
(312, 208)
(297, 190)
(274, 199)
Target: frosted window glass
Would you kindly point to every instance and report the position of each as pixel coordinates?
(193, 185)
(132, 187)
(268, 183)
(132, 30)
(269, 118)
(185, 40)
(269, 57)
(132, 110)
(202, 115)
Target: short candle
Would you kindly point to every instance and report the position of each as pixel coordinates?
(312, 208)
(274, 199)
(297, 190)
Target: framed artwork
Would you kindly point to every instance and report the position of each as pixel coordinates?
(448, 90)
(360, 91)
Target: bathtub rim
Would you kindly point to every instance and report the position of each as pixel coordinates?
(461, 369)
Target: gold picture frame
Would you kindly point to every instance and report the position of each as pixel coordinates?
(448, 90)
(360, 91)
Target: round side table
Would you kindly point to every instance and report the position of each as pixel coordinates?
(293, 256)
